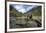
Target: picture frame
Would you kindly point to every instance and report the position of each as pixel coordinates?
(25, 29)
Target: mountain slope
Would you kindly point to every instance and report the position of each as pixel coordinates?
(36, 11)
(14, 12)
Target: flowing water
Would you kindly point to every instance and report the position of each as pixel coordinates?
(21, 22)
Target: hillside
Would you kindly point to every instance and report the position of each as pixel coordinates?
(36, 11)
(14, 12)
(23, 22)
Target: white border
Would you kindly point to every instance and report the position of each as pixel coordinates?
(22, 29)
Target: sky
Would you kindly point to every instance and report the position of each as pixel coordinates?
(23, 8)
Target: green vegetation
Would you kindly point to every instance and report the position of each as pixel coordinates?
(36, 11)
(25, 22)
(14, 12)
